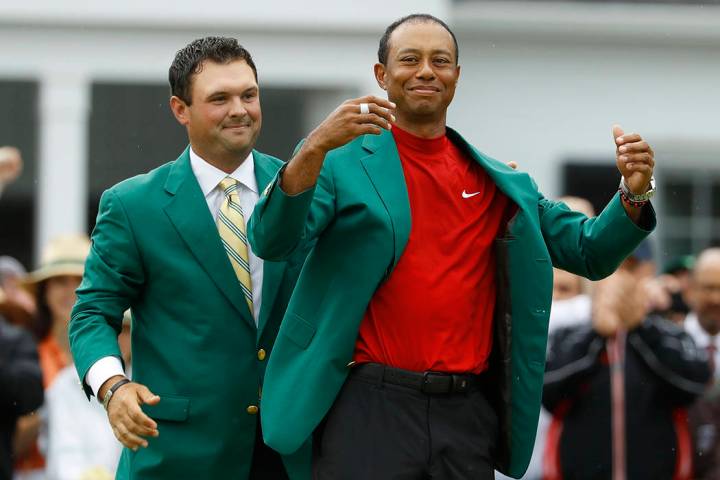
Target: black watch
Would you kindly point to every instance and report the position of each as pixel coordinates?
(111, 391)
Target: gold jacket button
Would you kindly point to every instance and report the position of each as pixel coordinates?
(252, 410)
(261, 354)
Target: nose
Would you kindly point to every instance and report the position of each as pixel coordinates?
(425, 71)
(237, 108)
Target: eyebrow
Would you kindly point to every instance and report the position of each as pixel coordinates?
(218, 93)
(416, 50)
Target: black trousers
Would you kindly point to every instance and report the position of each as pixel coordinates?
(266, 462)
(378, 431)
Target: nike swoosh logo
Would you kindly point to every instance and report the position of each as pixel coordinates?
(468, 195)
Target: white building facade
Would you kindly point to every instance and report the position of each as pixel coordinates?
(541, 84)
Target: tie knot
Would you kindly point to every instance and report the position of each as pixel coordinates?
(229, 186)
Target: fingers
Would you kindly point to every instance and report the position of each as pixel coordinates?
(368, 128)
(372, 99)
(628, 138)
(640, 146)
(140, 423)
(622, 138)
(378, 120)
(129, 423)
(618, 132)
(146, 396)
(129, 439)
(382, 112)
(378, 115)
(643, 158)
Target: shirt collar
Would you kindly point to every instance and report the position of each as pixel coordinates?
(208, 176)
(700, 336)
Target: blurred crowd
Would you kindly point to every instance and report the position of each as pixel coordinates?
(631, 389)
(48, 428)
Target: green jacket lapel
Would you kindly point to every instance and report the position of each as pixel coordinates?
(188, 212)
(265, 170)
(383, 167)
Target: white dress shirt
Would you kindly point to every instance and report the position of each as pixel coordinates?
(703, 339)
(208, 177)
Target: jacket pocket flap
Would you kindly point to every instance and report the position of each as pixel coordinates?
(170, 407)
(299, 330)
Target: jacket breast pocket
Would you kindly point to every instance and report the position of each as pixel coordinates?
(171, 408)
(298, 330)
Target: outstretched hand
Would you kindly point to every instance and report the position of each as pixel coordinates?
(129, 423)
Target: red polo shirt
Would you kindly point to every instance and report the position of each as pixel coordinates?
(435, 311)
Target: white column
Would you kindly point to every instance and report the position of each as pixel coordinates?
(62, 173)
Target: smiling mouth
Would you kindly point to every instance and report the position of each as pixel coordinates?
(425, 90)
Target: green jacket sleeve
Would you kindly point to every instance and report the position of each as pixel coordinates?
(591, 247)
(112, 281)
(282, 223)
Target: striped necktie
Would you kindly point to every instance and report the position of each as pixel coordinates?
(231, 226)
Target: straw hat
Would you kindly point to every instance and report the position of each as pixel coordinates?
(63, 255)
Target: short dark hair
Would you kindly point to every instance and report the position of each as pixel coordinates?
(189, 61)
(414, 18)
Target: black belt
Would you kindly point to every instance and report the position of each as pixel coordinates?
(426, 382)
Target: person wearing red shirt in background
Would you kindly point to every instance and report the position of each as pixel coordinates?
(387, 350)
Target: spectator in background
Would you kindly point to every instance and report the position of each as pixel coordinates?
(20, 386)
(672, 289)
(662, 371)
(703, 325)
(19, 303)
(80, 443)
(54, 285)
(571, 299)
(10, 166)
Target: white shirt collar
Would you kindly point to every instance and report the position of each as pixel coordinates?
(699, 335)
(208, 176)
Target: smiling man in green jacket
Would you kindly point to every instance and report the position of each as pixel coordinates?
(170, 245)
(414, 343)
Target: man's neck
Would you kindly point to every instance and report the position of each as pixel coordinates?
(228, 162)
(422, 127)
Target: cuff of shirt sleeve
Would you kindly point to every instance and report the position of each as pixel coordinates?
(106, 367)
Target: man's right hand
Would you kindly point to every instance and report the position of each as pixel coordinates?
(343, 125)
(347, 122)
(129, 423)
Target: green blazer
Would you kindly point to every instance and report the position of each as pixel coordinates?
(359, 215)
(156, 250)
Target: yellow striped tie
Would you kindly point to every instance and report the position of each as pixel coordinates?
(231, 226)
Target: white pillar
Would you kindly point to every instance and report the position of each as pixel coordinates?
(62, 174)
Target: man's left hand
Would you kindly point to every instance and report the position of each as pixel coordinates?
(635, 160)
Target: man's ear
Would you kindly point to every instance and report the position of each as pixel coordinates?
(379, 70)
(180, 110)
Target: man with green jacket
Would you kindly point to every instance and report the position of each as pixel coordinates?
(414, 343)
(170, 245)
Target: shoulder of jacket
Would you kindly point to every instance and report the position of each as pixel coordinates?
(141, 184)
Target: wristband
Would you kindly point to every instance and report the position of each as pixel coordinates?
(632, 203)
(634, 199)
(111, 391)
